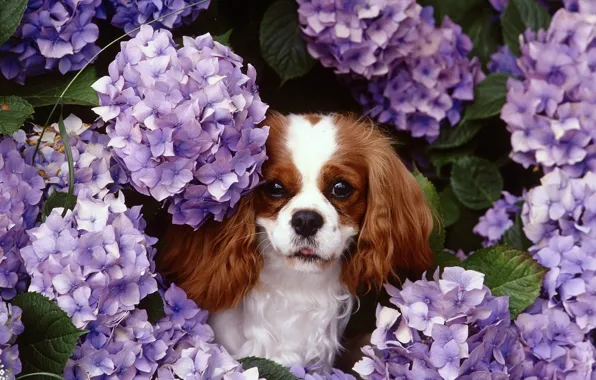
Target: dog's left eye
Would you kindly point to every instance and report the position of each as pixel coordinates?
(275, 189)
(341, 189)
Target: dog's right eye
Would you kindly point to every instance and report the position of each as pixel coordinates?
(275, 189)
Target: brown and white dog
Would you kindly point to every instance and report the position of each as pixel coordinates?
(338, 212)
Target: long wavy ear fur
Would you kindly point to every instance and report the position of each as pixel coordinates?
(394, 236)
(217, 264)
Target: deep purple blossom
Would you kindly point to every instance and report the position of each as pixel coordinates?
(132, 14)
(52, 35)
(363, 38)
(430, 336)
(181, 120)
(504, 61)
(427, 87)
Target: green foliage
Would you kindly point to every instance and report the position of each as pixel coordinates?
(489, 97)
(509, 272)
(476, 182)
(445, 259)
(13, 113)
(49, 337)
(11, 13)
(449, 206)
(153, 305)
(519, 16)
(268, 369)
(224, 39)
(46, 90)
(282, 46)
(515, 236)
(58, 199)
(456, 136)
(484, 33)
(437, 237)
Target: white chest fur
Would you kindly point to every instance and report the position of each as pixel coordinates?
(292, 317)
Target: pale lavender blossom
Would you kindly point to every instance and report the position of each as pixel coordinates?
(10, 327)
(503, 61)
(183, 123)
(549, 111)
(431, 337)
(498, 219)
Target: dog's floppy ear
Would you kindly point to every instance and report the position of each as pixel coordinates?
(218, 264)
(394, 236)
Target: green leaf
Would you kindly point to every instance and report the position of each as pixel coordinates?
(49, 338)
(519, 16)
(40, 374)
(68, 152)
(13, 113)
(484, 33)
(57, 199)
(457, 10)
(515, 236)
(46, 91)
(437, 237)
(489, 97)
(476, 182)
(224, 39)
(440, 158)
(456, 136)
(153, 305)
(268, 369)
(450, 206)
(11, 13)
(445, 259)
(281, 43)
(509, 272)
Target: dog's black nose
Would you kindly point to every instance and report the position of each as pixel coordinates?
(307, 223)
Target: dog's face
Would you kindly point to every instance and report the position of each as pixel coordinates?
(334, 192)
(313, 201)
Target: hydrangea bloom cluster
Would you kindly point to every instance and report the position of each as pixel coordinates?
(504, 61)
(94, 260)
(550, 112)
(557, 348)
(130, 15)
(178, 346)
(335, 374)
(498, 219)
(499, 5)
(448, 328)
(52, 35)
(559, 217)
(183, 122)
(21, 190)
(10, 327)
(364, 38)
(426, 88)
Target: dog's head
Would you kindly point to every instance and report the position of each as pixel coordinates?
(334, 192)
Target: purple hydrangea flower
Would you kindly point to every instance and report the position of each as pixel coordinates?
(427, 87)
(581, 6)
(499, 5)
(363, 38)
(448, 328)
(549, 113)
(10, 327)
(52, 35)
(132, 14)
(503, 61)
(498, 219)
(183, 123)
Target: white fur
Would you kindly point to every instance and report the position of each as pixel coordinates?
(298, 311)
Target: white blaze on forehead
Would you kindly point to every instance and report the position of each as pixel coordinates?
(311, 146)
